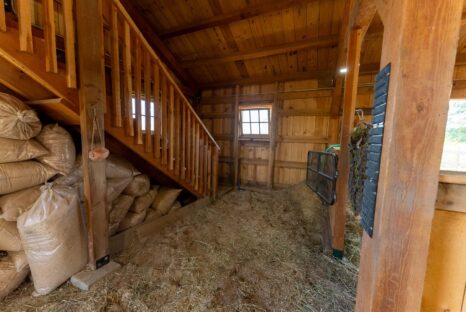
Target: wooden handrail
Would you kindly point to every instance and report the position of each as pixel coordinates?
(134, 27)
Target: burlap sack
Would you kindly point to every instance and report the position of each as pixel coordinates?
(19, 259)
(132, 219)
(62, 152)
(116, 186)
(22, 175)
(118, 167)
(14, 204)
(142, 203)
(53, 237)
(165, 199)
(139, 186)
(17, 120)
(9, 236)
(10, 279)
(176, 206)
(18, 150)
(119, 209)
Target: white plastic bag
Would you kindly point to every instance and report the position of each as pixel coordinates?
(53, 237)
(17, 120)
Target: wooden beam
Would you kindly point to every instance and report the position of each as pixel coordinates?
(338, 212)
(158, 45)
(235, 145)
(230, 17)
(91, 102)
(329, 41)
(393, 262)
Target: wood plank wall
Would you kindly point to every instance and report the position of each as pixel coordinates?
(302, 125)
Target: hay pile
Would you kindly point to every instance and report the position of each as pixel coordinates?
(250, 251)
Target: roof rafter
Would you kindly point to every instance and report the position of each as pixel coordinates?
(263, 52)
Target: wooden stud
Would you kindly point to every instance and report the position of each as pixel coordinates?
(91, 101)
(49, 37)
(129, 121)
(70, 49)
(25, 26)
(349, 107)
(138, 91)
(171, 128)
(116, 91)
(157, 111)
(148, 101)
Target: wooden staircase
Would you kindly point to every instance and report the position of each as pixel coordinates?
(39, 64)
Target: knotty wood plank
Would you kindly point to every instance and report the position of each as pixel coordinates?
(129, 121)
(49, 37)
(24, 24)
(116, 90)
(91, 102)
(70, 49)
(137, 90)
(393, 263)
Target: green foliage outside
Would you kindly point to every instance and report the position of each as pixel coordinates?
(456, 125)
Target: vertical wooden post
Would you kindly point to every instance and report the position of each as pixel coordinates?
(129, 122)
(393, 261)
(171, 129)
(116, 91)
(138, 89)
(147, 101)
(25, 25)
(235, 125)
(51, 64)
(338, 212)
(91, 104)
(273, 136)
(215, 172)
(70, 48)
(157, 111)
(2, 16)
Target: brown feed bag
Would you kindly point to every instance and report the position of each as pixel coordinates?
(165, 199)
(14, 204)
(17, 120)
(139, 186)
(142, 203)
(19, 150)
(22, 175)
(10, 279)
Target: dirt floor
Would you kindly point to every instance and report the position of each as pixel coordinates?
(250, 251)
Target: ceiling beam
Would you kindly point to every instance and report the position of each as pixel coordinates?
(230, 17)
(326, 76)
(327, 41)
(159, 46)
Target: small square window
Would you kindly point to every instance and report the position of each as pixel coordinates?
(255, 121)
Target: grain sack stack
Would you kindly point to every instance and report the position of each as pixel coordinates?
(30, 155)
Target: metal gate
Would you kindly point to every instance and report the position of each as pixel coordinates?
(322, 175)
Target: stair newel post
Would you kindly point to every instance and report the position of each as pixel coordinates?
(91, 103)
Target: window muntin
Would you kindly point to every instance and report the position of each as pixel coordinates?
(454, 148)
(255, 121)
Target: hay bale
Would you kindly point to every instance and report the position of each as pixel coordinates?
(17, 120)
(62, 152)
(139, 186)
(19, 150)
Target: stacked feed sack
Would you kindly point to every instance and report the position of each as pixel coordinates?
(29, 156)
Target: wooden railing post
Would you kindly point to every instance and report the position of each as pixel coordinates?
(215, 173)
(91, 103)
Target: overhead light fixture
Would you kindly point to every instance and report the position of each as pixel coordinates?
(343, 70)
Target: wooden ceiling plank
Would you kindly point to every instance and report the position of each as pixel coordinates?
(230, 17)
(264, 52)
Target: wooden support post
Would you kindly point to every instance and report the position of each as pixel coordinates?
(273, 136)
(91, 103)
(394, 260)
(338, 212)
(235, 125)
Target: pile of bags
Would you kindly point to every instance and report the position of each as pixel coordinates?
(41, 226)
